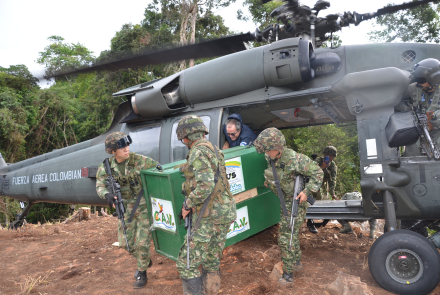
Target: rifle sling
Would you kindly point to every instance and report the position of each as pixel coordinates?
(136, 205)
(280, 192)
(208, 199)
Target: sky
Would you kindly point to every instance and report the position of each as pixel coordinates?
(25, 25)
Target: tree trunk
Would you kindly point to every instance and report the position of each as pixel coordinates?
(185, 7)
(193, 28)
(84, 213)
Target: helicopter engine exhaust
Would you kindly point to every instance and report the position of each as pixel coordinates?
(285, 63)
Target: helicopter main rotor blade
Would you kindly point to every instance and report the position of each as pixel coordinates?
(390, 9)
(395, 8)
(210, 48)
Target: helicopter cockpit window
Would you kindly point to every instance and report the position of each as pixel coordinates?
(146, 140)
(178, 149)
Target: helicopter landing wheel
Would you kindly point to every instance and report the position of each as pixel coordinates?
(404, 262)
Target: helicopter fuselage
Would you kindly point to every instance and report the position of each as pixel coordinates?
(265, 85)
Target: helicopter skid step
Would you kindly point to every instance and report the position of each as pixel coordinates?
(339, 209)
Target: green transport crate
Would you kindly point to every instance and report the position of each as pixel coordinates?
(257, 206)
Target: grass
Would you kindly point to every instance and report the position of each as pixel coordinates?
(30, 283)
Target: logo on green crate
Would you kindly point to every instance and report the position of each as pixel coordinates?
(234, 164)
(165, 219)
(241, 224)
(161, 217)
(238, 225)
(234, 174)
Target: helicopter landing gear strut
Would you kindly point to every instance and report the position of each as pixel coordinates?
(19, 222)
(390, 211)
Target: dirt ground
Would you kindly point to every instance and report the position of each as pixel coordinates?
(79, 258)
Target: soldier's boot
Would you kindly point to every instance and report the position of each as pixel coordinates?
(287, 278)
(373, 223)
(346, 227)
(311, 226)
(141, 280)
(193, 286)
(211, 281)
(137, 271)
(299, 269)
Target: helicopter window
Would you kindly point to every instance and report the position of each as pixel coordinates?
(146, 140)
(178, 149)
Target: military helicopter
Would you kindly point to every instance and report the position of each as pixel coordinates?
(290, 82)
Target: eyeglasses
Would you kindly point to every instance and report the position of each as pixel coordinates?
(232, 134)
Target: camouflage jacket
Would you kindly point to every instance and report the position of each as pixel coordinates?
(140, 163)
(288, 167)
(426, 101)
(329, 174)
(203, 163)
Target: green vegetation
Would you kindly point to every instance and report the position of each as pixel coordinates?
(420, 24)
(313, 140)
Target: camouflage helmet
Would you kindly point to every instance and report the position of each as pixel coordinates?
(190, 124)
(111, 141)
(427, 70)
(330, 150)
(270, 139)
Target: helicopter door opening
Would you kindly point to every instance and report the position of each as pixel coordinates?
(178, 149)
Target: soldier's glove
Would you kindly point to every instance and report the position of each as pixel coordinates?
(110, 199)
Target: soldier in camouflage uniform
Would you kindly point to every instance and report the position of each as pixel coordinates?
(204, 162)
(288, 165)
(330, 171)
(126, 168)
(424, 94)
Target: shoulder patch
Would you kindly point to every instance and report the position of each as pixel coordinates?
(197, 164)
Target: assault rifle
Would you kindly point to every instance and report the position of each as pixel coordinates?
(426, 142)
(188, 223)
(299, 184)
(115, 189)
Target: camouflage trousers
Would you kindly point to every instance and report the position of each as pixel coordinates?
(206, 248)
(289, 258)
(138, 237)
